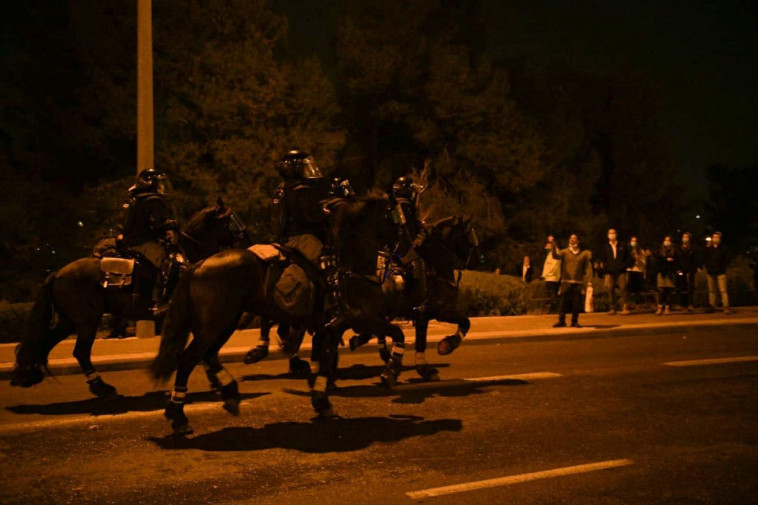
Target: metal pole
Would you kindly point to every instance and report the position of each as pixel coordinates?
(144, 85)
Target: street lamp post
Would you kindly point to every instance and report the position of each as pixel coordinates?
(145, 327)
(144, 85)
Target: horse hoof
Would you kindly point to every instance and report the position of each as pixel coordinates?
(428, 373)
(389, 380)
(182, 428)
(232, 405)
(102, 390)
(255, 355)
(327, 413)
(299, 366)
(448, 344)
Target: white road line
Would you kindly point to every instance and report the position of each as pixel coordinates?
(523, 376)
(713, 361)
(105, 418)
(516, 479)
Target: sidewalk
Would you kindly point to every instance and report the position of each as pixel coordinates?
(133, 353)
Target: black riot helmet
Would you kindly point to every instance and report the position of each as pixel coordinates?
(297, 164)
(403, 187)
(150, 179)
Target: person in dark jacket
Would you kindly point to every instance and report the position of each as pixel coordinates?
(149, 229)
(576, 272)
(716, 260)
(412, 233)
(666, 276)
(297, 213)
(686, 270)
(615, 259)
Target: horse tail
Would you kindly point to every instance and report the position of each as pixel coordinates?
(30, 351)
(176, 329)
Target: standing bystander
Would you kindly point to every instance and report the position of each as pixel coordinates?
(576, 267)
(614, 259)
(551, 274)
(635, 282)
(716, 261)
(666, 275)
(686, 269)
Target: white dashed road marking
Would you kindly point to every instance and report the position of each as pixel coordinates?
(714, 361)
(516, 479)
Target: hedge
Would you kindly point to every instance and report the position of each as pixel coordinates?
(482, 294)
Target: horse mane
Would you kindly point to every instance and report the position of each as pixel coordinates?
(197, 221)
(354, 220)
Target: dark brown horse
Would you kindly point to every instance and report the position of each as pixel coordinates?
(212, 296)
(450, 245)
(76, 296)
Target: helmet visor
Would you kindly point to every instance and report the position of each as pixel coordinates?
(162, 184)
(310, 170)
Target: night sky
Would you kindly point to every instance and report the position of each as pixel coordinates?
(700, 54)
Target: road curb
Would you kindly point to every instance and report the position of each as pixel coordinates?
(122, 362)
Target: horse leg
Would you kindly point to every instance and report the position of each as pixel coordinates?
(260, 351)
(359, 340)
(223, 382)
(174, 411)
(450, 343)
(323, 362)
(294, 341)
(395, 364)
(83, 353)
(426, 371)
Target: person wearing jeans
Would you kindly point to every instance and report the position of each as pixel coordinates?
(716, 261)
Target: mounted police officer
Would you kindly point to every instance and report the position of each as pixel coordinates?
(298, 217)
(300, 213)
(405, 195)
(149, 229)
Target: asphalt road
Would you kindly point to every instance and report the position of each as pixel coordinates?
(591, 420)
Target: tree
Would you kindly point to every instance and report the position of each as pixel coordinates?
(228, 109)
(418, 91)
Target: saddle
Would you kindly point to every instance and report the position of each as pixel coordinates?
(288, 286)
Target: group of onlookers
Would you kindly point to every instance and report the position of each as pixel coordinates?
(626, 268)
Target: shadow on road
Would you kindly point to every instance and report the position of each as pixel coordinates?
(334, 435)
(155, 400)
(415, 391)
(354, 372)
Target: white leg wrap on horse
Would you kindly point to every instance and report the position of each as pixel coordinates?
(320, 384)
(398, 350)
(179, 395)
(421, 358)
(224, 377)
(461, 333)
(314, 367)
(92, 376)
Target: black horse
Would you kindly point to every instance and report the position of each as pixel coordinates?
(450, 245)
(212, 296)
(75, 294)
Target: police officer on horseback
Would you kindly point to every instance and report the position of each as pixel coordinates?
(149, 229)
(300, 211)
(405, 194)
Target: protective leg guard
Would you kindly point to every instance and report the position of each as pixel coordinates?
(174, 412)
(99, 387)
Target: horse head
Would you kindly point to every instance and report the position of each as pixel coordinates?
(453, 240)
(215, 228)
